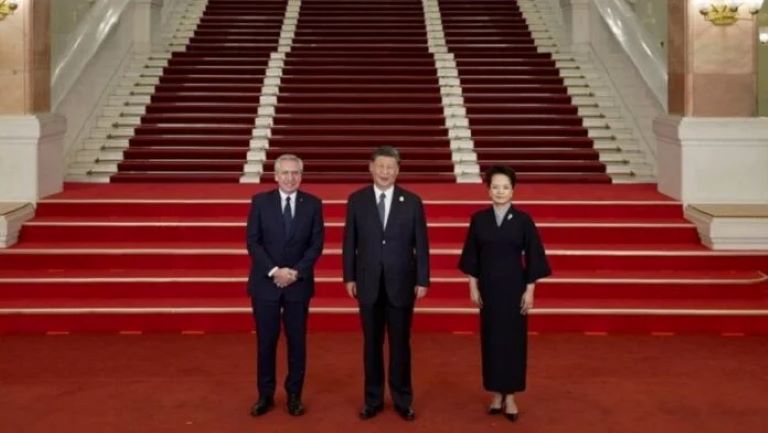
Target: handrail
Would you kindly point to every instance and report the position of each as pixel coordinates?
(638, 45)
(88, 36)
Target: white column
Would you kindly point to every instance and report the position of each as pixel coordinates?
(576, 22)
(31, 156)
(147, 25)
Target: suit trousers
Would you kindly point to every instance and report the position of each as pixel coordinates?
(268, 315)
(397, 322)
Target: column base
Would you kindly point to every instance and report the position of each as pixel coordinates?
(731, 227)
(31, 156)
(12, 216)
(713, 160)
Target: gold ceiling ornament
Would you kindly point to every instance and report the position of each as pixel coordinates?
(726, 12)
(7, 7)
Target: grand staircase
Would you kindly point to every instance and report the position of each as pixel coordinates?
(455, 85)
(360, 75)
(164, 257)
(199, 120)
(513, 82)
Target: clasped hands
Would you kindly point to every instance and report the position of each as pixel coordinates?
(284, 277)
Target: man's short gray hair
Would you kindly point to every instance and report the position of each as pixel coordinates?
(288, 157)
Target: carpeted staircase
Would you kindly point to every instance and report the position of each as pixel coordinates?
(360, 75)
(456, 85)
(520, 111)
(165, 257)
(198, 124)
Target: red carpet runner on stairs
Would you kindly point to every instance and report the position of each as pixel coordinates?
(199, 123)
(360, 75)
(519, 109)
(354, 75)
(172, 257)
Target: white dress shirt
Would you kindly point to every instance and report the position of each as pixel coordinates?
(283, 196)
(387, 200)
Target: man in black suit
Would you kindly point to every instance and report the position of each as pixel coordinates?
(386, 268)
(285, 239)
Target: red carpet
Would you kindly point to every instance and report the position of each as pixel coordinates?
(365, 67)
(171, 257)
(504, 79)
(204, 384)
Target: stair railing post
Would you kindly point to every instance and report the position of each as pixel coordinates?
(148, 25)
(576, 20)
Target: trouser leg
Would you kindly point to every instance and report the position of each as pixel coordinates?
(267, 314)
(295, 322)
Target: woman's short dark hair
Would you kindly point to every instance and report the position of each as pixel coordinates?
(500, 169)
(387, 151)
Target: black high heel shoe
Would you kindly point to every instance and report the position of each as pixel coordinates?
(509, 415)
(492, 410)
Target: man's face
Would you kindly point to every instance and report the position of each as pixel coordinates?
(288, 176)
(384, 170)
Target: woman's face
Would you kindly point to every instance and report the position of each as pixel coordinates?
(501, 189)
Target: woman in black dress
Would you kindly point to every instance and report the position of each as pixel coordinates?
(503, 257)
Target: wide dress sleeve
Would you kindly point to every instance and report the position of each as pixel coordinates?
(536, 263)
(469, 263)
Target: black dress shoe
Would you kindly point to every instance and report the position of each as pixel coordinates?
(406, 413)
(262, 406)
(295, 407)
(368, 412)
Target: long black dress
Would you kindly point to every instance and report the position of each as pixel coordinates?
(504, 259)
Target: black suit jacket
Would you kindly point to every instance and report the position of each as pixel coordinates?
(400, 251)
(268, 245)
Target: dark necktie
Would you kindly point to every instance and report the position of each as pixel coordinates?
(382, 208)
(287, 216)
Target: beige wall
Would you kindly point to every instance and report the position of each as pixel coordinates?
(712, 69)
(25, 60)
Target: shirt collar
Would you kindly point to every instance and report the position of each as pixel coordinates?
(388, 192)
(284, 195)
(502, 210)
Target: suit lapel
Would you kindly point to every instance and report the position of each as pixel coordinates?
(508, 216)
(299, 213)
(277, 209)
(491, 215)
(396, 208)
